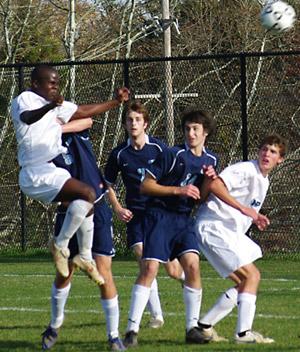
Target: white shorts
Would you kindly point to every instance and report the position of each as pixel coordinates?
(226, 251)
(42, 182)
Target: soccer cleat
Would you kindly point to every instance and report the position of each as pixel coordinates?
(116, 344)
(252, 337)
(89, 268)
(130, 339)
(60, 257)
(156, 322)
(49, 338)
(212, 334)
(195, 335)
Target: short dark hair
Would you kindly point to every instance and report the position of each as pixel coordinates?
(275, 139)
(137, 106)
(199, 116)
(39, 72)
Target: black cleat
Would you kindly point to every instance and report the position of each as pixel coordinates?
(130, 339)
(49, 338)
(195, 335)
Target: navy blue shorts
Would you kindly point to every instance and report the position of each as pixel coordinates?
(168, 235)
(103, 231)
(135, 229)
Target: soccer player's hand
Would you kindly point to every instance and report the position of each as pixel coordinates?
(122, 94)
(124, 214)
(262, 222)
(210, 172)
(188, 191)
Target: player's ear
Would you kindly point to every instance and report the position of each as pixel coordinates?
(280, 160)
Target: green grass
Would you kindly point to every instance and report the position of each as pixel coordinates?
(25, 309)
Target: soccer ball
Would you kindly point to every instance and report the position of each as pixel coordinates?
(277, 16)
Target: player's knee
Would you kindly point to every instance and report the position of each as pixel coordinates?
(256, 275)
(192, 269)
(173, 271)
(149, 269)
(253, 276)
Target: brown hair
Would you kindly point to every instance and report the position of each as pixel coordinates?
(202, 117)
(275, 139)
(137, 106)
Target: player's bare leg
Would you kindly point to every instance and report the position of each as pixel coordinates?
(153, 305)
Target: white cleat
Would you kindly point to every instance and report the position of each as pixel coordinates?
(253, 337)
(213, 335)
(89, 268)
(156, 322)
(60, 257)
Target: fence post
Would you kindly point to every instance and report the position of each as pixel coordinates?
(244, 106)
(22, 198)
(126, 74)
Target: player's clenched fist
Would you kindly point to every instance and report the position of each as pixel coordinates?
(122, 94)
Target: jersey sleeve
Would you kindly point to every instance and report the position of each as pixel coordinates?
(236, 176)
(112, 168)
(162, 164)
(26, 102)
(66, 111)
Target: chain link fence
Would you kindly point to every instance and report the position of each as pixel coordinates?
(248, 94)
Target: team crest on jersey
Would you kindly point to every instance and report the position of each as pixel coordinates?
(68, 159)
(142, 172)
(190, 179)
(255, 203)
(151, 161)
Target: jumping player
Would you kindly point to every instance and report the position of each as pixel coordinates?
(222, 222)
(35, 114)
(173, 182)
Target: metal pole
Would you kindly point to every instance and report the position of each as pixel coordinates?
(244, 106)
(71, 44)
(169, 112)
(22, 196)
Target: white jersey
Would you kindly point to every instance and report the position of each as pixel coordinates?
(39, 142)
(247, 185)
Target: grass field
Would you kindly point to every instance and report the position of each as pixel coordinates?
(25, 309)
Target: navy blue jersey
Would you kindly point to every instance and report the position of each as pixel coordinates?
(132, 164)
(178, 166)
(80, 161)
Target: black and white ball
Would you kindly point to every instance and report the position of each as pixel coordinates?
(277, 16)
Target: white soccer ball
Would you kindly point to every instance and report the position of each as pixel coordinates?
(277, 16)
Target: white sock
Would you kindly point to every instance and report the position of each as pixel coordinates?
(85, 235)
(111, 312)
(246, 311)
(59, 298)
(139, 298)
(182, 277)
(224, 305)
(153, 304)
(76, 213)
(192, 300)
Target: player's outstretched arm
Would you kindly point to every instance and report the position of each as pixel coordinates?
(77, 125)
(219, 189)
(152, 188)
(87, 110)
